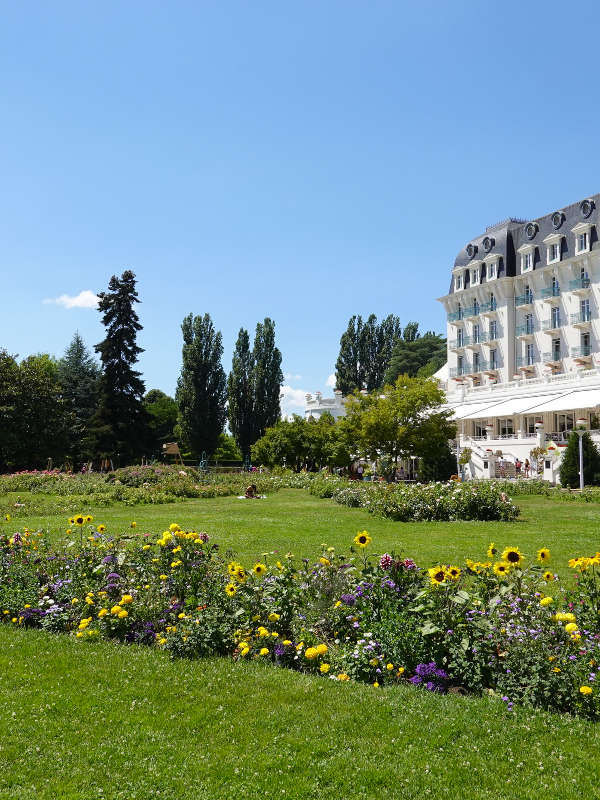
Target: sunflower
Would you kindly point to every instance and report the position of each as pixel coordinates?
(453, 573)
(240, 574)
(232, 567)
(89, 518)
(101, 528)
(437, 575)
(512, 556)
(501, 568)
(492, 550)
(260, 569)
(230, 589)
(79, 520)
(362, 539)
(548, 576)
(7, 517)
(543, 555)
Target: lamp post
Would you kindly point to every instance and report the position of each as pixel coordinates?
(580, 426)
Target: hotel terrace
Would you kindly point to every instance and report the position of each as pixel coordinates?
(523, 337)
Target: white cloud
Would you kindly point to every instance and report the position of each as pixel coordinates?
(331, 381)
(85, 299)
(292, 401)
(289, 376)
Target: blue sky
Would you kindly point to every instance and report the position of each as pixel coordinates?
(305, 161)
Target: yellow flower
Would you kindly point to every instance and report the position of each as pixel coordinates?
(177, 549)
(492, 550)
(373, 662)
(74, 601)
(362, 539)
(501, 568)
(126, 599)
(286, 641)
(310, 653)
(101, 528)
(546, 601)
(273, 617)
(259, 569)
(240, 574)
(264, 651)
(146, 547)
(389, 667)
(89, 518)
(116, 610)
(244, 651)
(376, 684)
(586, 689)
(453, 573)
(163, 577)
(512, 556)
(437, 575)
(571, 627)
(324, 668)
(325, 561)
(175, 564)
(556, 669)
(7, 517)
(103, 612)
(232, 567)
(400, 671)
(543, 555)
(174, 527)
(183, 615)
(262, 632)
(230, 589)
(79, 520)
(548, 576)
(123, 613)
(133, 524)
(321, 649)
(343, 677)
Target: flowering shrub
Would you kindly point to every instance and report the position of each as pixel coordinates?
(501, 625)
(411, 502)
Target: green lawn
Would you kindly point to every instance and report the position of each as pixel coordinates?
(83, 721)
(98, 720)
(292, 520)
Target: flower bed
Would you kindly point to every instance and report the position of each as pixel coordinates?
(414, 502)
(502, 625)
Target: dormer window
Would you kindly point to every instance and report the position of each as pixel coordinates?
(553, 253)
(474, 277)
(582, 242)
(491, 271)
(526, 261)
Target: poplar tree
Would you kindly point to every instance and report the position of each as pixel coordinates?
(240, 394)
(119, 428)
(79, 375)
(268, 378)
(201, 387)
(365, 352)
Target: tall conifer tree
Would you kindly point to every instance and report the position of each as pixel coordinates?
(201, 387)
(119, 428)
(79, 375)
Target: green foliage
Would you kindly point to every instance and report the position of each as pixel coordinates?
(414, 354)
(268, 378)
(569, 467)
(162, 418)
(405, 420)
(303, 444)
(241, 395)
(227, 449)
(365, 352)
(79, 376)
(440, 465)
(201, 387)
(119, 427)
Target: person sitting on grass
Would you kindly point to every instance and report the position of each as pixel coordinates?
(251, 492)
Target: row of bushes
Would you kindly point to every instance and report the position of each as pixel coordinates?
(407, 502)
(501, 625)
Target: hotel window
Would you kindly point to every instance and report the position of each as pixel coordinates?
(528, 293)
(563, 422)
(529, 323)
(475, 362)
(458, 282)
(474, 277)
(491, 271)
(582, 243)
(555, 317)
(526, 262)
(584, 311)
(476, 334)
(553, 253)
(492, 302)
(555, 286)
(475, 307)
(493, 359)
(530, 355)
(506, 427)
(556, 349)
(493, 330)
(586, 342)
(530, 424)
(585, 278)
(460, 365)
(460, 337)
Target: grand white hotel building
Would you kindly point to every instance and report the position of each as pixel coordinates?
(524, 337)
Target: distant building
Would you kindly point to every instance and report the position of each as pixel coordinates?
(317, 405)
(523, 337)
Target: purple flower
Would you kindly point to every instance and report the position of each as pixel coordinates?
(348, 599)
(108, 559)
(113, 576)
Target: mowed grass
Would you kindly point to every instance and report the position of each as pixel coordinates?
(293, 521)
(85, 720)
(95, 720)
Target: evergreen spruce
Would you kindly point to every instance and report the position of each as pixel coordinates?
(569, 466)
(119, 428)
(201, 387)
(79, 375)
(240, 394)
(268, 378)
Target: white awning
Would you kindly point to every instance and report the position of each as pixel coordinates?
(514, 406)
(464, 410)
(571, 401)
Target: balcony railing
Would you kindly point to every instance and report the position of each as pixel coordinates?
(524, 299)
(494, 335)
(471, 311)
(552, 291)
(552, 324)
(457, 344)
(486, 308)
(581, 316)
(583, 351)
(525, 330)
(481, 338)
(456, 372)
(579, 283)
(454, 316)
(526, 361)
(550, 358)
